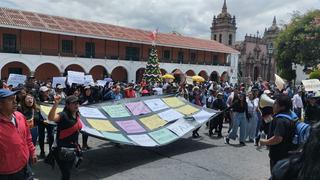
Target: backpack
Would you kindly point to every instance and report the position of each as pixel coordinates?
(302, 130)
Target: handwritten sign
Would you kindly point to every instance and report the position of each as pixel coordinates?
(163, 136)
(173, 101)
(181, 127)
(16, 79)
(143, 140)
(75, 77)
(170, 115)
(131, 126)
(101, 83)
(59, 80)
(91, 131)
(116, 137)
(202, 116)
(102, 125)
(311, 85)
(187, 109)
(153, 122)
(116, 111)
(88, 80)
(156, 104)
(137, 108)
(91, 113)
(46, 109)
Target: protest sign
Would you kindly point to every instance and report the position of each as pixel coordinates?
(88, 80)
(16, 79)
(311, 85)
(75, 77)
(59, 80)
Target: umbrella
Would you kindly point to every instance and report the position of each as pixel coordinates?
(168, 76)
(198, 78)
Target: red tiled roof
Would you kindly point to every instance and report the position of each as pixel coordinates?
(60, 25)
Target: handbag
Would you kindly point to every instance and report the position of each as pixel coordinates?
(67, 154)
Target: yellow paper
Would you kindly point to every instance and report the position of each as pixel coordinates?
(102, 125)
(153, 122)
(46, 109)
(187, 109)
(173, 101)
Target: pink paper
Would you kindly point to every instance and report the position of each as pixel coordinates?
(138, 108)
(131, 126)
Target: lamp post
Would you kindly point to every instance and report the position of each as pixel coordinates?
(270, 53)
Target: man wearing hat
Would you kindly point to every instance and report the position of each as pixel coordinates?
(313, 108)
(16, 147)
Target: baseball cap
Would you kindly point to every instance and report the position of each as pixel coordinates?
(60, 87)
(4, 93)
(44, 89)
(72, 99)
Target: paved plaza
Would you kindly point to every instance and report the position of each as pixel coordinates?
(187, 158)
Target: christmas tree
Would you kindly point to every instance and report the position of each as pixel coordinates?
(152, 73)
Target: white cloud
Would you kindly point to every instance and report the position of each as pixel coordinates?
(189, 17)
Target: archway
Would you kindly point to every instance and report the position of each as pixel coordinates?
(203, 74)
(163, 72)
(73, 67)
(14, 67)
(46, 71)
(98, 72)
(139, 74)
(190, 73)
(224, 77)
(119, 74)
(256, 73)
(214, 76)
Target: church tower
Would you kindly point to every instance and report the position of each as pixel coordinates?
(224, 28)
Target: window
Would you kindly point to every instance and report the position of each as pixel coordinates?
(220, 38)
(90, 50)
(193, 57)
(166, 54)
(132, 53)
(15, 71)
(67, 46)
(215, 60)
(9, 43)
(215, 37)
(180, 57)
(230, 39)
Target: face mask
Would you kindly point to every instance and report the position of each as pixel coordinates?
(268, 119)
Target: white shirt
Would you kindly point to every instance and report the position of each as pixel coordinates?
(297, 101)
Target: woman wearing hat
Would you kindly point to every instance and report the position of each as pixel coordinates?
(66, 149)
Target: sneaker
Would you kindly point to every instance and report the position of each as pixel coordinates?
(242, 143)
(226, 140)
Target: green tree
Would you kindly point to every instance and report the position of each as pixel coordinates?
(152, 73)
(298, 43)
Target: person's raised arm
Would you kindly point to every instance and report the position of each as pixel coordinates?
(53, 116)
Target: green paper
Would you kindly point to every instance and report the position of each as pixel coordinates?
(116, 137)
(163, 136)
(116, 111)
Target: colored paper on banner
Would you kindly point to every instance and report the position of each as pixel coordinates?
(173, 101)
(202, 116)
(137, 108)
(91, 113)
(156, 104)
(59, 80)
(163, 136)
(143, 140)
(91, 131)
(182, 126)
(170, 115)
(46, 109)
(131, 126)
(153, 122)
(116, 111)
(116, 137)
(187, 109)
(102, 125)
(16, 79)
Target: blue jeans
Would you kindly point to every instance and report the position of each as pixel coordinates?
(34, 134)
(239, 119)
(252, 126)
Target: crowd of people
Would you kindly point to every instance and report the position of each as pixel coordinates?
(239, 105)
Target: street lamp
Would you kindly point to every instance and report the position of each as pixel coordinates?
(270, 53)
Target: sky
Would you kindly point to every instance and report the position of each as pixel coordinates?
(187, 17)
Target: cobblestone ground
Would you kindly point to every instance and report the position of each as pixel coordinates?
(188, 158)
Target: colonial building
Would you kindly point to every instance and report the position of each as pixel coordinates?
(47, 46)
(256, 59)
(224, 28)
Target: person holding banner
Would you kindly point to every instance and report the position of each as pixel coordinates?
(66, 150)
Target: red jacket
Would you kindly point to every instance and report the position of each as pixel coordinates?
(16, 145)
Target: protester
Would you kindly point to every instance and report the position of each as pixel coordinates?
(253, 114)
(66, 150)
(281, 131)
(312, 112)
(217, 123)
(297, 103)
(16, 147)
